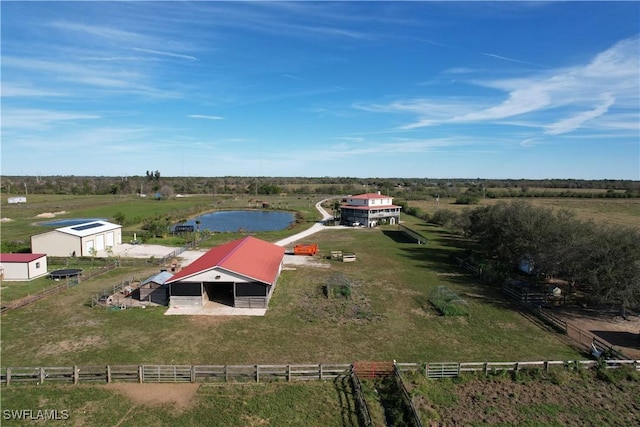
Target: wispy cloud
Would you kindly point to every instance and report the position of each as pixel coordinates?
(504, 58)
(203, 116)
(10, 90)
(572, 123)
(164, 53)
(611, 82)
(39, 118)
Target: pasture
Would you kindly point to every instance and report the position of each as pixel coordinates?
(622, 212)
(387, 316)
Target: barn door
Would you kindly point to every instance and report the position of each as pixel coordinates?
(100, 242)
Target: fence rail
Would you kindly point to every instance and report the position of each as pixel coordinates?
(257, 373)
(360, 401)
(406, 398)
(172, 373)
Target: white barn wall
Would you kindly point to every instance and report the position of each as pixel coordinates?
(55, 243)
(23, 271)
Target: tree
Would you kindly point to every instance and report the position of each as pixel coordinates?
(165, 191)
(612, 270)
(119, 218)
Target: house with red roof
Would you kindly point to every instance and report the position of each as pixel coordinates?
(22, 267)
(242, 273)
(369, 210)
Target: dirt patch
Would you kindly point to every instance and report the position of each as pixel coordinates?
(5, 220)
(582, 400)
(606, 324)
(72, 346)
(50, 214)
(182, 396)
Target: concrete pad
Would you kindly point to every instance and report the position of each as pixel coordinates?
(218, 310)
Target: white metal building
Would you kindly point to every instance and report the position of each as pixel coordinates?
(22, 267)
(78, 240)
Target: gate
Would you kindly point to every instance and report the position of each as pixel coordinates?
(372, 370)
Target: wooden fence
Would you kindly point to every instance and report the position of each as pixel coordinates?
(360, 401)
(406, 398)
(69, 282)
(454, 369)
(419, 238)
(172, 373)
(258, 373)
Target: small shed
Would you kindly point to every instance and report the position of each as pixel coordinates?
(22, 267)
(78, 240)
(154, 289)
(242, 273)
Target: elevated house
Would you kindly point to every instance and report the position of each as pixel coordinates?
(78, 240)
(242, 273)
(370, 210)
(22, 267)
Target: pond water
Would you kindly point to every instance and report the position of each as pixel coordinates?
(246, 220)
(69, 222)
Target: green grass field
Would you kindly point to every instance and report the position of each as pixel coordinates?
(20, 221)
(388, 316)
(313, 404)
(625, 212)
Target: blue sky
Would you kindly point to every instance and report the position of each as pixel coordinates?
(357, 89)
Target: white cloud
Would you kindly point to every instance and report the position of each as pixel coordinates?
(572, 123)
(165, 53)
(203, 116)
(10, 90)
(611, 81)
(39, 119)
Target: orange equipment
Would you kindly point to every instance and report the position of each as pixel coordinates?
(305, 249)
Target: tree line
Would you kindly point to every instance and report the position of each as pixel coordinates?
(466, 190)
(601, 260)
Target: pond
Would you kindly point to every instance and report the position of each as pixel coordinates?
(69, 222)
(243, 220)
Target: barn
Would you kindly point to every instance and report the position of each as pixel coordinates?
(154, 290)
(22, 267)
(78, 240)
(242, 273)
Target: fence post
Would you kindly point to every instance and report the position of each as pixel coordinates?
(140, 378)
(320, 369)
(193, 374)
(546, 367)
(486, 369)
(8, 375)
(41, 375)
(288, 373)
(257, 373)
(108, 374)
(76, 374)
(226, 373)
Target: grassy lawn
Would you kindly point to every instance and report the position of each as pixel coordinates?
(315, 403)
(387, 317)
